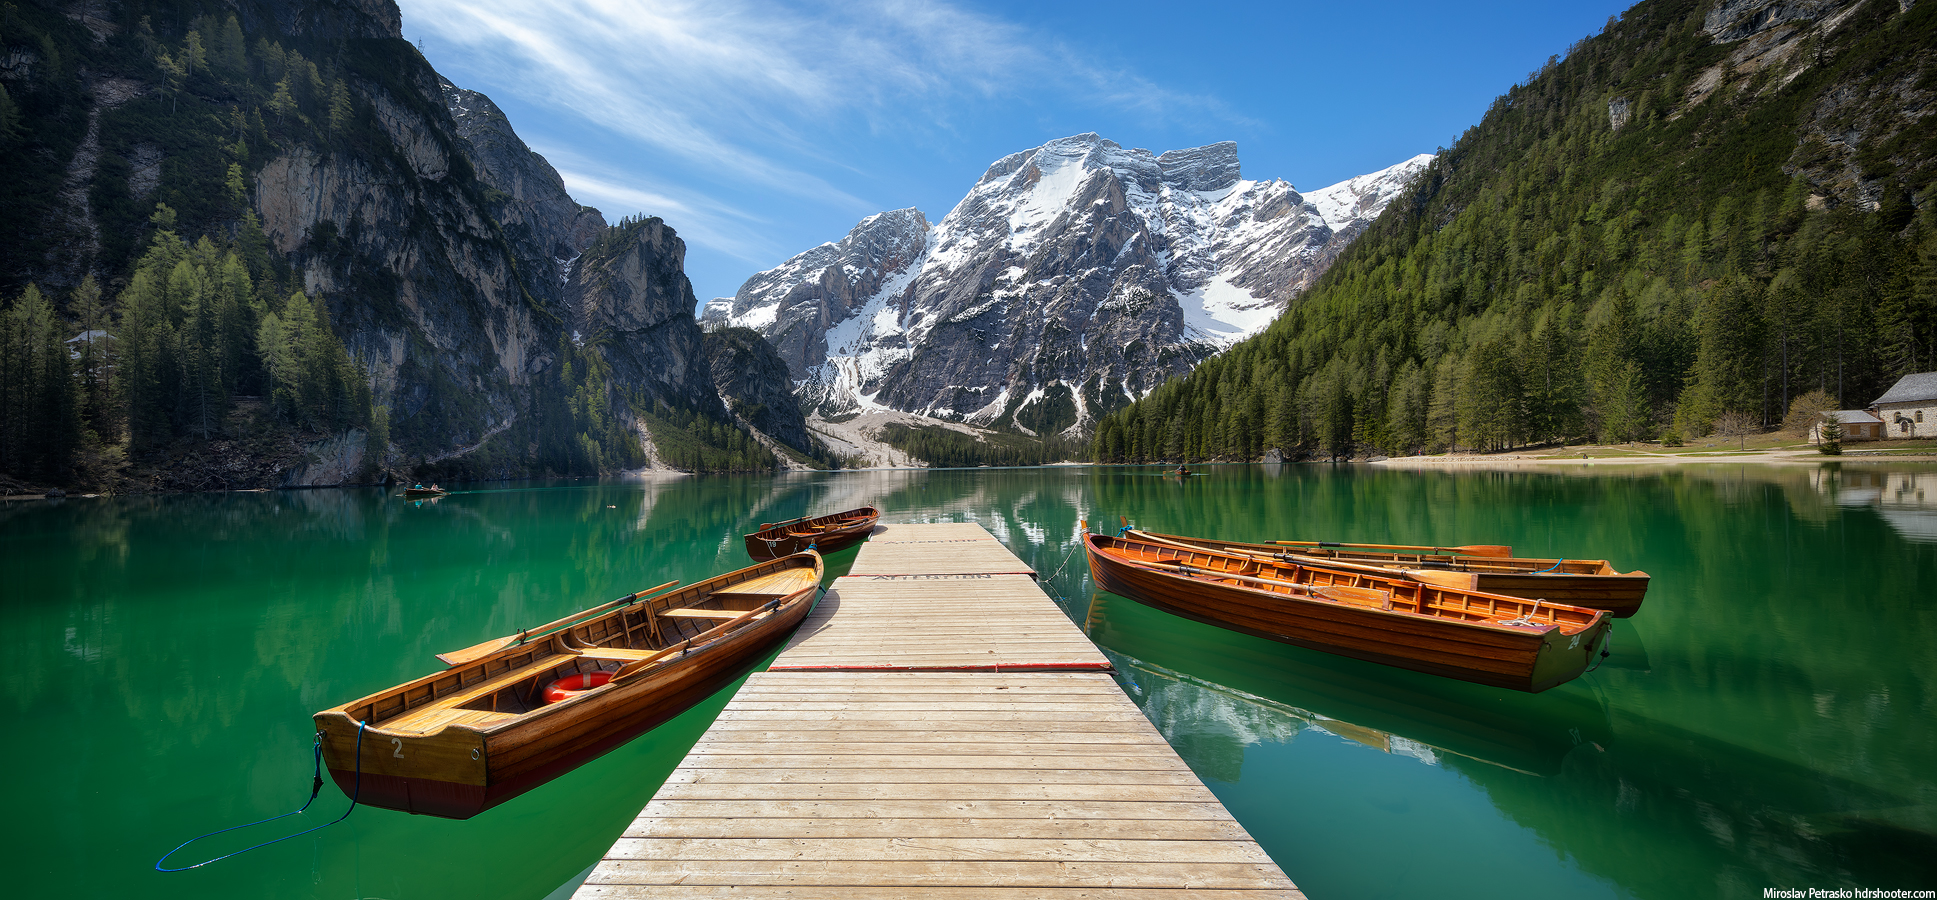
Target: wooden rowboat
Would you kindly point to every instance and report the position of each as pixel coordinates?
(826, 534)
(1592, 583)
(1492, 639)
(463, 740)
(421, 491)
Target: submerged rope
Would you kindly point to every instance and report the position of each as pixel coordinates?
(1607, 647)
(1058, 594)
(315, 787)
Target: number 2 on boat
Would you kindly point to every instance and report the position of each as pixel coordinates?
(400, 742)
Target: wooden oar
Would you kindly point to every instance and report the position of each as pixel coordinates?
(1500, 550)
(703, 637)
(480, 651)
(766, 525)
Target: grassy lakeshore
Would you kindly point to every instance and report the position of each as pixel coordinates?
(1779, 449)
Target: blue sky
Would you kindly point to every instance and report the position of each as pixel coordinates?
(760, 129)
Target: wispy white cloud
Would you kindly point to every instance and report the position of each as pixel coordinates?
(700, 218)
(755, 88)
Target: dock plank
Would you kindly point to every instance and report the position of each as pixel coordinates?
(872, 623)
(889, 754)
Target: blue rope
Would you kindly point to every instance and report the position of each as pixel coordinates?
(1556, 565)
(316, 787)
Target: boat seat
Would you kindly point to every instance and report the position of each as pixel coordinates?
(703, 613)
(434, 715)
(616, 653)
(767, 587)
(435, 719)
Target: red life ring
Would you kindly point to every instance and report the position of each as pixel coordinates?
(572, 685)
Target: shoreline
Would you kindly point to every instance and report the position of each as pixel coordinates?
(1644, 458)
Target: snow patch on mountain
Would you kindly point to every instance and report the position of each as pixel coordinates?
(1367, 195)
(1071, 278)
(1223, 313)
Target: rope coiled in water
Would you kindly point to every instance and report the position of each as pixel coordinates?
(315, 787)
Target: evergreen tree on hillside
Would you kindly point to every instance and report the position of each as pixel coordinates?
(39, 404)
(1554, 277)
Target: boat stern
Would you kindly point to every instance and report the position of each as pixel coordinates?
(1562, 657)
(441, 773)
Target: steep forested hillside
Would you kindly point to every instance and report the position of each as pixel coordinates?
(1706, 208)
(293, 254)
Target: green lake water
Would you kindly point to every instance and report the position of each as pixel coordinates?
(1768, 720)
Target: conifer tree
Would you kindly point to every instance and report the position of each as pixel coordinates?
(194, 57)
(95, 359)
(39, 422)
(339, 108)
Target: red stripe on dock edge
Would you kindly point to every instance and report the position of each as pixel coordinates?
(1066, 667)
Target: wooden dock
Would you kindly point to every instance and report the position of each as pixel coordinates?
(938, 728)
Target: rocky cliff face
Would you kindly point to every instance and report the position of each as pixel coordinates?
(754, 382)
(629, 296)
(527, 198)
(1852, 138)
(453, 263)
(1073, 278)
(322, 19)
(426, 285)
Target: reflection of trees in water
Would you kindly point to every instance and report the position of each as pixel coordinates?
(1382, 707)
(1033, 512)
(1712, 817)
(1780, 729)
(1208, 725)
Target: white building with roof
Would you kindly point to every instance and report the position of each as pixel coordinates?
(1858, 425)
(1909, 408)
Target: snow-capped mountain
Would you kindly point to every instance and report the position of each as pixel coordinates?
(1073, 278)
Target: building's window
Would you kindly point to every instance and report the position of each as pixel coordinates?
(1920, 415)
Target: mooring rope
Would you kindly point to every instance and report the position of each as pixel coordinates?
(315, 787)
(1607, 650)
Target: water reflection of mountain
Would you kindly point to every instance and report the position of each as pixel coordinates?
(1209, 724)
(1605, 783)
(1708, 812)
(1521, 732)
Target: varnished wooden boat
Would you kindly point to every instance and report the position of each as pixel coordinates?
(1490, 639)
(460, 741)
(1592, 583)
(826, 534)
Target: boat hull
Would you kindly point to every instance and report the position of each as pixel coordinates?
(841, 530)
(1591, 583)
(1522, 659)
(461, 770)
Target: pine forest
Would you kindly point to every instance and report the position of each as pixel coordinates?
(1644, 240)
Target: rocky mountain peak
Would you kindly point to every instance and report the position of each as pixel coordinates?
(1211, 168)
(323, 19)
(1072, 278)
(535, 209)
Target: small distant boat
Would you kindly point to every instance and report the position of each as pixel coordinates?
(826, 534)
(418, 491)
(1487, 568)
(515, 712)
(1492, 639)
